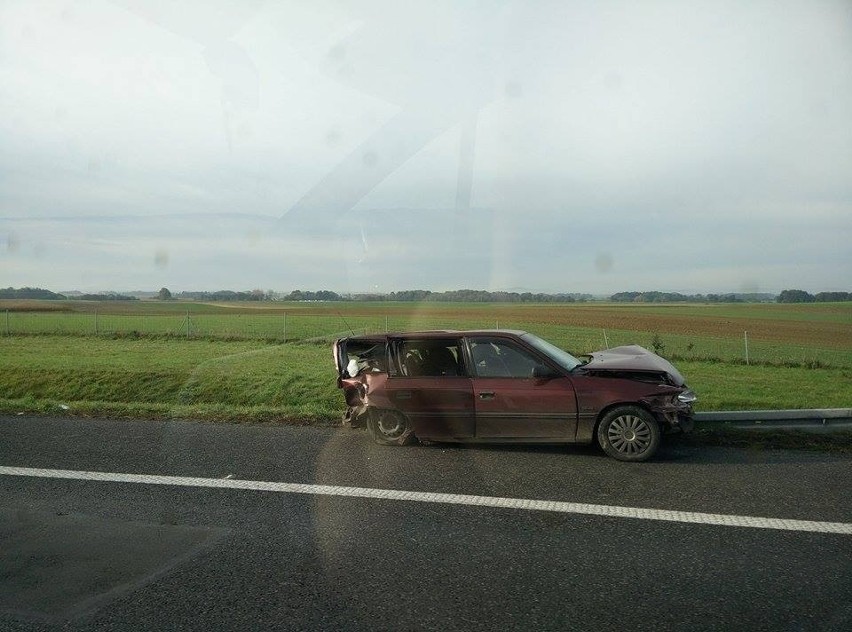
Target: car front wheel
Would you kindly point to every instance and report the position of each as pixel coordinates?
(629, 433)
(389, 427)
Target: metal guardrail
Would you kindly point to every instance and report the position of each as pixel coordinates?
(836, 418)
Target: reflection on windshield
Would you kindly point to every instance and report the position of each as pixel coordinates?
(562, 358)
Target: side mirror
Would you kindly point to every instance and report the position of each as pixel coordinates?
(542, 372)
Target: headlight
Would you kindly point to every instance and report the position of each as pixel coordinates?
(687, 397)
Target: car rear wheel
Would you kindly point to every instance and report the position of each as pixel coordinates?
(629, 433)
(389, 427)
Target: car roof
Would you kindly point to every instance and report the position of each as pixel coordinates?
(439, 333)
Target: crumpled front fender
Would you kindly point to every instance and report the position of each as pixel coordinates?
(673, 415)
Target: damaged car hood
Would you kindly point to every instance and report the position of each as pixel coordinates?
(632, 358)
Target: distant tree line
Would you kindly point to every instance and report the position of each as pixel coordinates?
(472, 296)
(484, 296)
(47, 295)
(31, 292)
(800, 296)
(304, 295)
(677, 297)
(106, 296)
(466, 296)
(223, 295)
(461, 296)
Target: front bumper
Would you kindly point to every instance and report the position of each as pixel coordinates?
(675, 418)
(686, 423)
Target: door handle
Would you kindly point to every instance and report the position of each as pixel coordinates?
(486, 395)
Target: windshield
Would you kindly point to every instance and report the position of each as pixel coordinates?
(562, 358)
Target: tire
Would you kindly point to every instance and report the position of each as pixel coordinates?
(629, 433)
(389, 427)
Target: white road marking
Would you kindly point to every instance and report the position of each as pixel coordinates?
(689, 517)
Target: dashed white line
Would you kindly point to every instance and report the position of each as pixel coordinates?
(609, 511)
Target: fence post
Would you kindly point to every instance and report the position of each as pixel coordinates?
(745, 337)
(606, 341)
(96, 322)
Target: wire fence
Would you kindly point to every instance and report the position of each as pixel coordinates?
(288, 327)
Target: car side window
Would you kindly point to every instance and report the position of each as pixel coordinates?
(494, 357)
(365, 357)
(429, 358)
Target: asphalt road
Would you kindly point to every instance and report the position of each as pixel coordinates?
(86, 555)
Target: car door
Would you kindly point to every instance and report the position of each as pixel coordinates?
(429, 382)
(510, 402)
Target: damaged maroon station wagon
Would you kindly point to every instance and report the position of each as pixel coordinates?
(500, 386)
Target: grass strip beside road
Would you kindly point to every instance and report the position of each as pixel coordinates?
(216, 380)
(295, 383)
(723, 386)
(218, 413)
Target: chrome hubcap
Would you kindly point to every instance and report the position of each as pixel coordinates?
(629, 434)
(390, 426)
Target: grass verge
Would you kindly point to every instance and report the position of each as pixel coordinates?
(280, 415)
(249, 381)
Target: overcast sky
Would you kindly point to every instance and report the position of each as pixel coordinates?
(355, 146)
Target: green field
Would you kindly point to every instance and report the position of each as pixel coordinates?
(138, 359)
(814, 334)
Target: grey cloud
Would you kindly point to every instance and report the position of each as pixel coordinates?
(558, 146)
